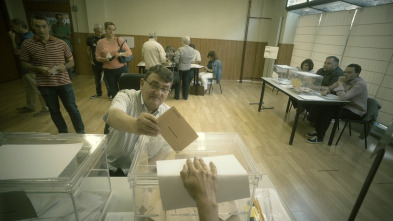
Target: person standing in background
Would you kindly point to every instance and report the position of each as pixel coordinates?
(152, 52)
(107, 52)
(183, 57)
(19, 27)
(196, 60)
(63, 31)
(96, 66)
(49, 58)
(197, 56)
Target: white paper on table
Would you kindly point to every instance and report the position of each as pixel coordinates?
(196, 66)
(311, 97)
(331, 97)
(232, 181)
(35, 161)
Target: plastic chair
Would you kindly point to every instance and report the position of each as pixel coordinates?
(126, 81)
(368, 120)
(210, 83)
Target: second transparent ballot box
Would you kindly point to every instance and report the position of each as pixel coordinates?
(81, 190)
(144, 180)
(305, 79)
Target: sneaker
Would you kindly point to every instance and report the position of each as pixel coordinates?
(312, 134)
(41, 113)
(24, 109)
(95, 96)
(314, 140)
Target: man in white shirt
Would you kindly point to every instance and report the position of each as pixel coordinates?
(133, 114)
(153, 53)
(196, 60)
(197, 57)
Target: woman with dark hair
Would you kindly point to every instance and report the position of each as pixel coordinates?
(307, 65)
(213, 69)
(107, 52)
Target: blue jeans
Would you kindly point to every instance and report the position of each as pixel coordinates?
(97, 71)
(113, 76)
(66, 94)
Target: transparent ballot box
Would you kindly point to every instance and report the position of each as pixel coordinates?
(144, 180)
(282, 72)
(305, 79)
(81, 190)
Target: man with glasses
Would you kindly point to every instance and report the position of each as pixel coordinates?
(134, 113)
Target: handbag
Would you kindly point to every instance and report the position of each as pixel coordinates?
(123, 59)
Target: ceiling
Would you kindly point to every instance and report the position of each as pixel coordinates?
(306, 7)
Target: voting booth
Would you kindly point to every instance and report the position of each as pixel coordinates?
(65, 177)
(158, 190)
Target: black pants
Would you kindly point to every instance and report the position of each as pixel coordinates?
(112, 76)
(184, 84)
(97, 71)
(323, 116)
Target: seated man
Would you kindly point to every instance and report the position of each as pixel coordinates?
(330, 73)
(134, 113)
(350, 87)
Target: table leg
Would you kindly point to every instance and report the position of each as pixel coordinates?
(298, 111)
(336, 122)
(289, 102)
(196, 81)
(262, 94)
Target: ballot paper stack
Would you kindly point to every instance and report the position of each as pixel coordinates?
(53, 177)
(158, 190)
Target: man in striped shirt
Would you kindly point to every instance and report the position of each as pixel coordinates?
(49, 58)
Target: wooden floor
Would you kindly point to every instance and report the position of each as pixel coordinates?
(317, 182)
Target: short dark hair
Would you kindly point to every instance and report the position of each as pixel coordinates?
(39, 16)
(309, 62)
(106, 24)
(169, 48)
(357, 67)
(213, 55)
(335, 59)
(17, 21)
(163, 72)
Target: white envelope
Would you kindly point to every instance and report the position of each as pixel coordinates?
(232, 181)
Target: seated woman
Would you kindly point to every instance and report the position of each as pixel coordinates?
(307, 65)
(213, 69)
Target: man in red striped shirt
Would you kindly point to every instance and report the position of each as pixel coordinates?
(49, 58)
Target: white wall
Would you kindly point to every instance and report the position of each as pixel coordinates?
(16, 10)
(211, 19)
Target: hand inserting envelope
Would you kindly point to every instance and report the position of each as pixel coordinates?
(232, 181)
